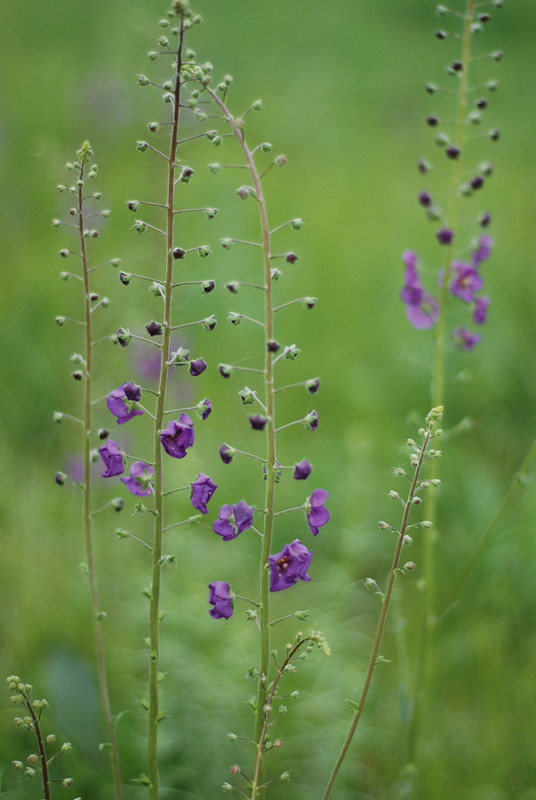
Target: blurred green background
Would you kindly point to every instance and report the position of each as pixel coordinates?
(342, 85)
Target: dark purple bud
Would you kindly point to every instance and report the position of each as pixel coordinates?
(178, 252)
(291, 258)
(125, 277)
(445, 236)
(233, 287)
(431, 88)
(457, 66)
(423, 166)
(432, 121)
(302, 470)
(60, 478)
(272, 346)
(78, 375)
(481, 102)
(453, 152)
(225, 370)
(441, 35)
(425, 199)
(258, 422)
(133, 205)
(486, 168)
(227, 453)
(484, 18)
(197, 367)
(495, 135)
(311, 421)
(202, 490)
(93, 297)
(204, 408)
(64, 253)
(313, 385)
(497, 55)
(208, 286)
(477, 182)
(220, 598)
(124, 337)
(484, 220)
(154, 329)
(103, 433)
(117, 503)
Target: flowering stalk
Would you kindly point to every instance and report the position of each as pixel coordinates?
(419, 457)
(36, 765)
(91, 301)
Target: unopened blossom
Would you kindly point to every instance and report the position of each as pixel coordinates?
(289, 566)
(465, 339)
(226, 453)
(197, 366)
(178, 436)
(233, 520)
(204, 408)
(122, 402)
(480, 311)
(422, 310)
(483, 251)
(317, 515)
(113, 459)
(466, 281)
(202, 490)
(139, 481)
(302, 470)
(220, 597)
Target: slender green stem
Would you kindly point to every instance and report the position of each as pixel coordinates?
(87, 500)
(269, 403)
(383, 616)
(438, 375)
(45, 780)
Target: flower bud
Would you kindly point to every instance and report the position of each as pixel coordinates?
(247, 396)
(227, 453)
(296, 224)
(125, 278)
(258, 422)
(142, 146)
(154, 127)
(140, 226)
(275, 274)
(78, 375)
(273, 346)
(291, 352)
(196, 367)
(154, 329)
(225, 370)
(60, 478)
(124, 337)
(311, 421)
(209, 323)
(309, 302)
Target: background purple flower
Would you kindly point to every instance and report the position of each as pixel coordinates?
(480, 311)
(317, 515)
(483, 251)
(466, 281)
(465, 339)
(220, 598)
(202, 490)
(233, 520)
(178, 436)
(139, 481)
(289, 566)
(113, 459)
(120, 406)
(422, 310)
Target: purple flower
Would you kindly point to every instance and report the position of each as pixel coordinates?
(422, 309)
(233, 520)
(204, 408)
(226, 453)
(113, 459)
(317, 515)
(178, 436)
(445, 236)
(139, 481)
(311, 420)
(465, 339)
(197, 367)
(122, 400)
(289, 566)
(466, 282)
(202, 490)
(302, 470)
(258, 422)
(220, 598)
(483, 251)
(480, 311)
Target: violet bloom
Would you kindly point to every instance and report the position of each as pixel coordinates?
(227, 453)
(113, 459)
(204, 407)
(289, 566)
(422, 310)
(220, 597)
(465, 339)
(317, 515)
(302, 470)
(178, 436)
(202, 490)
(466, 281)
(233, 520)
(197, 367)
(122, 402)
(483, 251)
(480, 311)
(139, 482)
(445, 236)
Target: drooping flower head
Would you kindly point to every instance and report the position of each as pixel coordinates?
(289, 566)
(113, 459)
(204, 408)
(422, 310)
(233, 520)
(139, 481)
(122, 402)
(466, 281)
(317, 515)
(178, 436)
(483, 251)
(465, 339)
(202, 490)
(480, 311)
(220, 597)
(302, 470)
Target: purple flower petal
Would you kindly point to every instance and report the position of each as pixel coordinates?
(233, 520)
(317, 515)
(302, 470)
(289, 566)
(178, 436)
(122, 406)
(466, 281)
(139, 481)
(220, 598)
(480, 311)
(202, 490)
(465, 339)
(113, 459)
